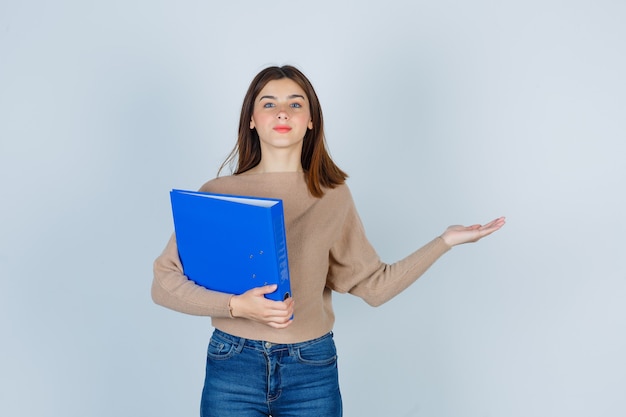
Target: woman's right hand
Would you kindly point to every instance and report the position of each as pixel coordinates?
(254, 306)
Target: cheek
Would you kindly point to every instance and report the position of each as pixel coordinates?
(304, 119)
(258, 119)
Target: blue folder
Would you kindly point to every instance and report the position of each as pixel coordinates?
(232, 243)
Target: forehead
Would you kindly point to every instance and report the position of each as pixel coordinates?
(282, 88)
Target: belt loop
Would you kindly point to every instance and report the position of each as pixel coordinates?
(239, 344)
(292, 349)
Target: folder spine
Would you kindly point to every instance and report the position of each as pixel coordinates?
(280, 242)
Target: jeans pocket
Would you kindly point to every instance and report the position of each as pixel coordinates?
(320, 353)
(220, 349)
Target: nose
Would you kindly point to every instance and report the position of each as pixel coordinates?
(282, 114)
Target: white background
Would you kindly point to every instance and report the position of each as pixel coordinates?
(442, 112)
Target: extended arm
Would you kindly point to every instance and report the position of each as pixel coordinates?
(356, 268)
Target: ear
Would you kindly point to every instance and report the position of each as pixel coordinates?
(310, 125)
(252, 126)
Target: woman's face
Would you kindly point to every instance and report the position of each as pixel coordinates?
(281, 115)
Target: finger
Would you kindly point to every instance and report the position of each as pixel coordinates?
(281, 309)
(277, 308)
(272, 314)
(279, 319)
(267, 289)
(490, 230)
(279, 325)
(496, 224)
(499, 220)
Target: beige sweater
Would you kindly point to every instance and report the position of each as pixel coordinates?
(328, 251)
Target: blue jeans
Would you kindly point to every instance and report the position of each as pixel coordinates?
(252, 378)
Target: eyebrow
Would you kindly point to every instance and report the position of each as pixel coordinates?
(292, 96)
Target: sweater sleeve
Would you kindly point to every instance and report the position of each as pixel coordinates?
(356, 268)
(172, 289)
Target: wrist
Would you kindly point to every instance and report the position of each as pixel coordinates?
(230, 307)
(446, 239)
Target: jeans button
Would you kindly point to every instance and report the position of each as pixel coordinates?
(268, 345)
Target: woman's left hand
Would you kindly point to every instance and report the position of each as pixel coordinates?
(456, 235)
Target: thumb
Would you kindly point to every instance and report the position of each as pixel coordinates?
(267, 289)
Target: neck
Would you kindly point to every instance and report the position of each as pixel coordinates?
(265, 168)
(278, 161)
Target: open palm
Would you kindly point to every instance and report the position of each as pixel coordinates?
(456, 235)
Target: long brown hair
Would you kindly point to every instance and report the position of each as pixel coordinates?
(320, 170)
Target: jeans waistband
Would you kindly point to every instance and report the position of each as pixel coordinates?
(262, 345)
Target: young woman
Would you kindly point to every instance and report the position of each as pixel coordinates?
(278, 358)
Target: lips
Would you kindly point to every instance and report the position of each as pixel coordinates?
(282, 129)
